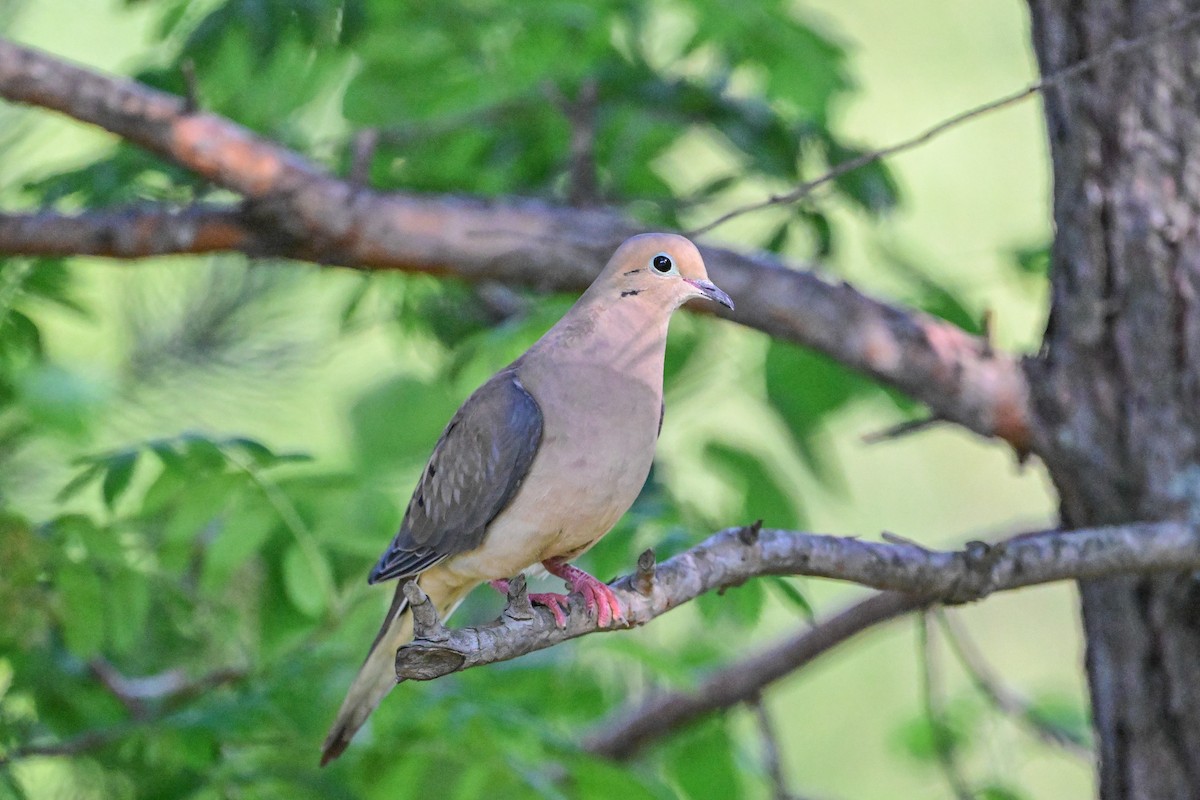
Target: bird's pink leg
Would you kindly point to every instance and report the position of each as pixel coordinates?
(598, 598)
(557, 603)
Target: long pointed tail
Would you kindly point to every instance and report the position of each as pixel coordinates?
(375, 679)
(378, 673)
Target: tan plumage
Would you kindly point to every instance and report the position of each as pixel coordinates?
(543, 459)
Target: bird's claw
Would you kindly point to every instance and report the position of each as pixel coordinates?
(557, 603)
(598, 598)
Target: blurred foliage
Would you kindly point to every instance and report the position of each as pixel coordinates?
(224, 579)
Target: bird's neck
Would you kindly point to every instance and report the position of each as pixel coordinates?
(624, 334)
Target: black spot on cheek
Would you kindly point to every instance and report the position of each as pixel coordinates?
(633, 292)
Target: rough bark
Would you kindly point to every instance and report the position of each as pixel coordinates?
(735, 555)
(1116, 388)
(294, 207)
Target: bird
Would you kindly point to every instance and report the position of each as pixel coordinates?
(541, 461)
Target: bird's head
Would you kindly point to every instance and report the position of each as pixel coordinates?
(662, 267)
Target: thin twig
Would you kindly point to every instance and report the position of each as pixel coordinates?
(901, 429)
(931, 700)
(1003, 697)
(582, 190)
(298, 528)
(362, 153)
(83, 743)
(1118, 49)
(770, 747)
(173, 684)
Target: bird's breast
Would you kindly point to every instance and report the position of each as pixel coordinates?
(600, 426)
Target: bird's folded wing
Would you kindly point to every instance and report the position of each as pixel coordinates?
(475, 470)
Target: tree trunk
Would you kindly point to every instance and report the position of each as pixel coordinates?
(1116, 388)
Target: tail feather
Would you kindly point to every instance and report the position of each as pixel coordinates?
(378, 673)
(375, 679)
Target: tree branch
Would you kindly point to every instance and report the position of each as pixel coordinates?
(296, 209)
(627, 733)
(731, 557)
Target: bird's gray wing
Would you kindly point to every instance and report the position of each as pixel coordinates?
(476, 467)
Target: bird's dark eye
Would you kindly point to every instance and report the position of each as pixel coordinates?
(662, 263)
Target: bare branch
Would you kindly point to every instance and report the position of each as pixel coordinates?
(626, 734)
(136, 695)
(170, 685)
(83, 743)
(802, 191)
(296, 209)
(726, 559)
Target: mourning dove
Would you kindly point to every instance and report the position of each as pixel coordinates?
(542, 460)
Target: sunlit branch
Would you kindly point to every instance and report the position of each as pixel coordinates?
(736, 555)
(294, 208)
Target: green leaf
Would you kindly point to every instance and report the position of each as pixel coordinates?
(778, 240)
(58, 399)
(304, 576)
(248, 525)
(399, 421)
(118, 475)
(169, 454)
(79, 482)
(259, 453)
(804, 388)
(83, 600)
(997, 791)
(871, 186)
(763, 497)
(203, 453)
(927, 739)
(700, 762)
(593, 777)
(127, 605)
(1033, 260)
(787, 588)
(1066, 716)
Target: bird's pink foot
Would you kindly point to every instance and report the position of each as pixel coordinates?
(557, 603)
(598, 598)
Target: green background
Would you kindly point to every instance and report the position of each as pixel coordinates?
(359, 374)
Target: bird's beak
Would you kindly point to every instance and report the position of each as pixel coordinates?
(709, 289)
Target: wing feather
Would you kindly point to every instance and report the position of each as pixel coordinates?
(475, 470)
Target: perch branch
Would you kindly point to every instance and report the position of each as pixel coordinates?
(294, 208)
(730, 558)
